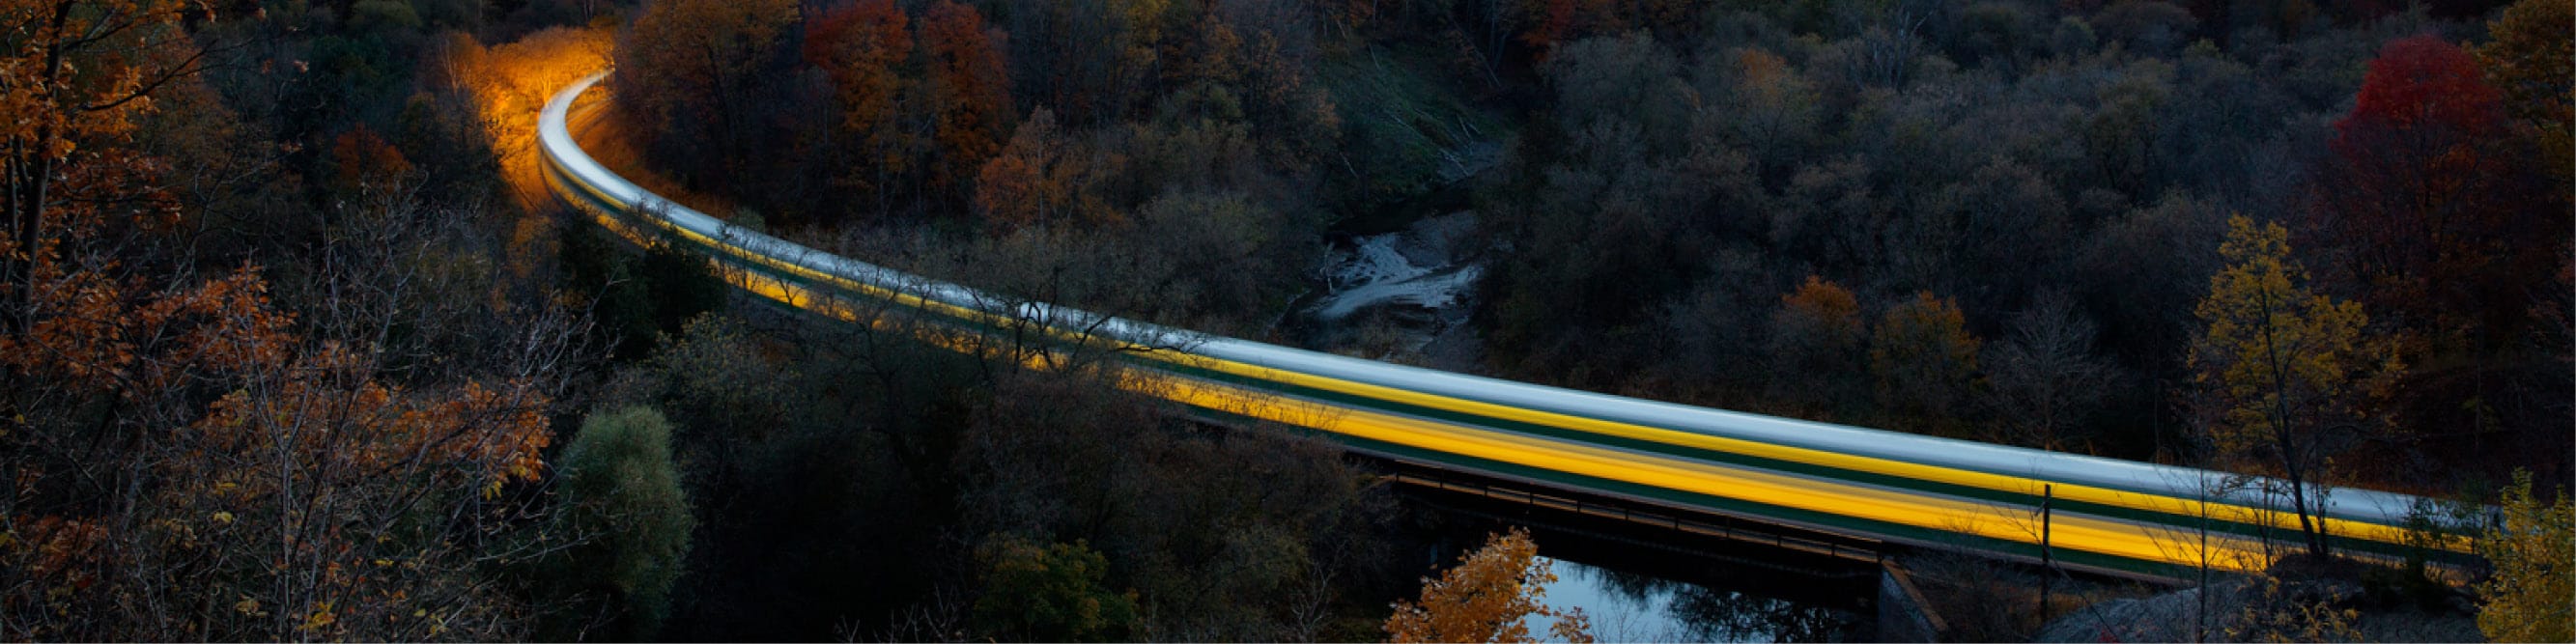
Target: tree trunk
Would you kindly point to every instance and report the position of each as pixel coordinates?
(2299, 500)
(26, 177)
(2282, 441)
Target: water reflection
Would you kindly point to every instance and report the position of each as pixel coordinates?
(1635, 607)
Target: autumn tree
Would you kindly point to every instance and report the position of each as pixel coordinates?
(862, 47)
(509, 82)
(969, 89)
(77, 78)
(2534, 554)
(314, 500)
(1816, 336)
(365, 160)
(1768, 108)
(2285, 370)
(252, 482)
(190, 458)
(1487, 597)
(86, 342)
(2432, 202)
(312, 481)
(689, 67)
(1924, 358)
(2532, 61)
(1031, 183)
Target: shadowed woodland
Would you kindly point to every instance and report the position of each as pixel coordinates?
(294, 343)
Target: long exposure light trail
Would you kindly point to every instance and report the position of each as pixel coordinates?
(2111, 516)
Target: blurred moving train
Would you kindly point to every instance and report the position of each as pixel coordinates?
(2108, 516)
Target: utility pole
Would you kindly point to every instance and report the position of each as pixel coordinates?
(2047, 561)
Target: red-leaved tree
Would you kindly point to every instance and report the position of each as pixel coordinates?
(2433, 201)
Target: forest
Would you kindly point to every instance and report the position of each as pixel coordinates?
(295, 343)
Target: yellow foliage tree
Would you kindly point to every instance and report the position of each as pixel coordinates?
(2532, 595)
(2533, 60)
(2282, 365)
(2275, 614)
(1924, 358)
(1486, 597)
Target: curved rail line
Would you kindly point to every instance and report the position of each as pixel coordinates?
(2110, 516)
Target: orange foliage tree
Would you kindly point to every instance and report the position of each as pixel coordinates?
(1817, 332)
(1924, 358)
(969, 89)
(310, 501)
(1828, 307)
(1038, 180)
(694, 64)
(77, 75)
(362, 158)
(860, 46)
(180, 463)
(324, 496)
(74, 328)
(1486, 598)
(512, 81)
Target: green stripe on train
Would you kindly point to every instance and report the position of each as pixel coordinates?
(1744, 507)
(2172, 520)
(2179, 522)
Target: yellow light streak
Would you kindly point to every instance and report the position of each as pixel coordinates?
(2020, 485)
(802, 297)
(2010, 523)
(1624, 464)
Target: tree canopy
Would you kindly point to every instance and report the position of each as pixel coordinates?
(1488, 597)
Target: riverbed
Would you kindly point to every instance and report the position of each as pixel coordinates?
(1400, 296)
